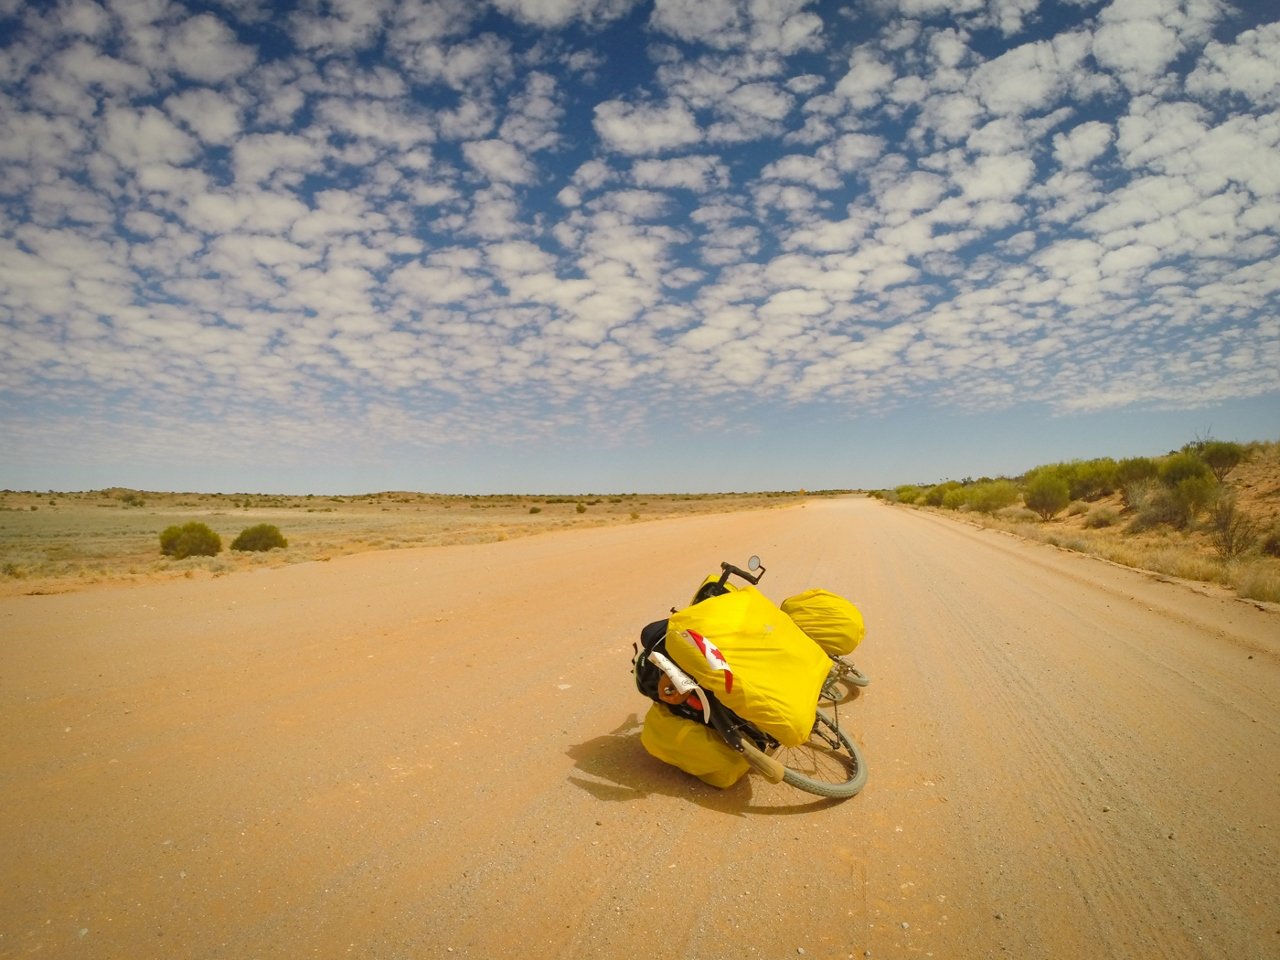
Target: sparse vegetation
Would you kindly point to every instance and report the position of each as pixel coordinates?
(262, 537)
(93, 537)
(1210, 511)
(1231, 532)
(1047, 494)
(190, 540)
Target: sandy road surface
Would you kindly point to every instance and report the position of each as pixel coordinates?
(435, 753)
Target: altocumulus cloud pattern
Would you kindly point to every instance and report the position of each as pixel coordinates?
(427, 223)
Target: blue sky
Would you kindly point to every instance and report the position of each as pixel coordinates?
(616, 246)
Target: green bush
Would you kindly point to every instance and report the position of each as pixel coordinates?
(190, 540)
(1222, 457)
(1085, 479)
(581, 508)
(1133, 471)
(1174, 505)
(1153, 504)
(907, 493)
(1183, 466)
(264, 536)
(934, 496)
(992, 496)
(1047, 495)
(1193, 494)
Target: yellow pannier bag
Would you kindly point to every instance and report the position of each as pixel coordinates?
(757, 662)
(831, 621)
(694, 748)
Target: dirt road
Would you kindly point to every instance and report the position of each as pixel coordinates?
(435, 753)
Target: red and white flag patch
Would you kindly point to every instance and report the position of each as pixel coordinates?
(715, 659)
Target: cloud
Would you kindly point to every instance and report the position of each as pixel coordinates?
(782, 26)
(499, 161)
(699, 174)
(1139, 39)
(868, 77)
(430, 220)
(203, 48)
(1249, 67)
(645, 128)
(1082, 144)
(134, 137)
(555, 14)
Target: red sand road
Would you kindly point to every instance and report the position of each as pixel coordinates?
(435, 753)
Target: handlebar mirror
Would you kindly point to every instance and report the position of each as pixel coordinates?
(753, 564)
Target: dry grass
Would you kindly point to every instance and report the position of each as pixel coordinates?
(53, 542)
(1103, 529)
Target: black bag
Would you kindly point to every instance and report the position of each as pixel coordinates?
(654, 637)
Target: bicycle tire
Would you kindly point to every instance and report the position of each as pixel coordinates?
(843, 682)
(851, 673)
(828, 764)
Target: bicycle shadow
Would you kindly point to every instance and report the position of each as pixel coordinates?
(616, 767)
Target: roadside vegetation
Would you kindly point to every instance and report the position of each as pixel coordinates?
(1208, 512)
(52, 541)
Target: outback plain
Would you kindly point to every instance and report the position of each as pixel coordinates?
(408, 738)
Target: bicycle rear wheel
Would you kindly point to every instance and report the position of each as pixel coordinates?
(828, 764)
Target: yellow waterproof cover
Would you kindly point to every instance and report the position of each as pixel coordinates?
(831, 621)
(755, 660)
(694, 748)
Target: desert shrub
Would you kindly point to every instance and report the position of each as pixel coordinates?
(907, 493)
(1221, 457)
(1176, 506)
(1017, 514)
(1095, 478)
(1255, 582)
(1231, 531)
(1101, 517)
(1270, 545)
(1183, 466)
(264, 536)
(1047, 494)
(1077, 507)
(1134, 470)
(1085, 479)
(955, 498)
(992, 496)
(934, 496)
(1194, 494)
(1153, 505)
(535, 509)
(581, 508)
(190, 540)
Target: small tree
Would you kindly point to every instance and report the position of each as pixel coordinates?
(1222, 457)
(190, 540)
(992, 496)
(1047, 495)
(264, 536)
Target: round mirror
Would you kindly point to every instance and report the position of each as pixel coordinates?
(753, 564)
